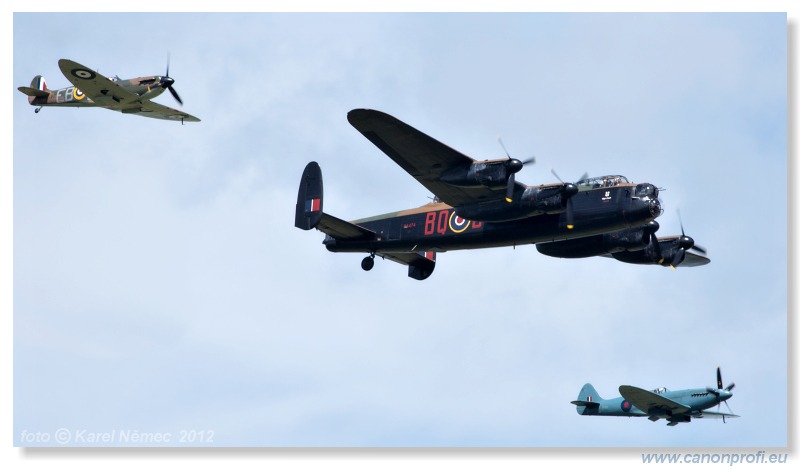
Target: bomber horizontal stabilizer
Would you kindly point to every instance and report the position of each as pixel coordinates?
(420, 264)
(341, 229)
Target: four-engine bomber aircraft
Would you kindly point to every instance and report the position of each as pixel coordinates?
(479, 204)
(674, 406)
(91, 89)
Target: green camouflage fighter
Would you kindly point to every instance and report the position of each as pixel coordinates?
(91, 89)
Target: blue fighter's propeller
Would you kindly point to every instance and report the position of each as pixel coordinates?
(513, 166)
(719, 390)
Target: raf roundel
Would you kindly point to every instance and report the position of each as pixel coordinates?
(78, 94)
(458, 224)
(626, 406)
(83, 73)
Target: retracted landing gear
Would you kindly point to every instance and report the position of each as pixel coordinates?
(368, 262)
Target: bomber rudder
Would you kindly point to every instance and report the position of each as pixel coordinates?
(308, 210)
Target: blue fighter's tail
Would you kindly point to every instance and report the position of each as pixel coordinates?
(589, 400)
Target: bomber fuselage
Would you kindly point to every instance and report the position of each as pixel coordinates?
(437, 227)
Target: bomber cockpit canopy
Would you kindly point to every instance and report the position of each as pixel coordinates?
(660, 390)
(601, 181)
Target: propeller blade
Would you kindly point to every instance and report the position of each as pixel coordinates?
(678, 258)
(656, 247)
(730, 387)
(552, 170)
(510, 188)
(728, 406)
(570, 215)
(175, 95)
(701, 249)
(719, 378)
(504, 147)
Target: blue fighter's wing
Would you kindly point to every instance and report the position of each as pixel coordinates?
(648, 402)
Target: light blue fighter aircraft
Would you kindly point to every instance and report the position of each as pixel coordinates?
(675, 406)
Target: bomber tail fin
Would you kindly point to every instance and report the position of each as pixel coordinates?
(38, 89)
(588, 401)
(308, 211)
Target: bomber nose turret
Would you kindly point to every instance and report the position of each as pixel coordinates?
(655, 208)
(645, 202)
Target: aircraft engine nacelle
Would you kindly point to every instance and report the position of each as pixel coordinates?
(534, 201)
(629, 240)
(480, 173)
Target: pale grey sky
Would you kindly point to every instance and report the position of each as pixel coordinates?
(159, 284)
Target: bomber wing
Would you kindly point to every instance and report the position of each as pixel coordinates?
(694, 260)
(108, 94)
(648, 402)
(422, 156)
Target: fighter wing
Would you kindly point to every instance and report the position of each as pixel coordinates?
(422, 156)
(158, 111)
(100, 89)
(708, 414)
(647, 401)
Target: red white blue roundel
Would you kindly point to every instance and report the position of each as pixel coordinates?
(458, 224)
(626, 406)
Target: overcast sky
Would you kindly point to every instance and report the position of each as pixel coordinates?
(160, 285)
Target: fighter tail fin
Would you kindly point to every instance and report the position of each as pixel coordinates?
(588, 400)
(38, 89)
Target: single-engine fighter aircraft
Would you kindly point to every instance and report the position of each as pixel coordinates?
(674, 406)
(479, 204)
(91, 89)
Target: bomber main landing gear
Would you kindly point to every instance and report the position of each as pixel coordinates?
(368, 262)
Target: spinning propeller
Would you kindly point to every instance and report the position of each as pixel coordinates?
(513, 166)
(722, 394)
(167, 82)
(568, 191)
(684, 243)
